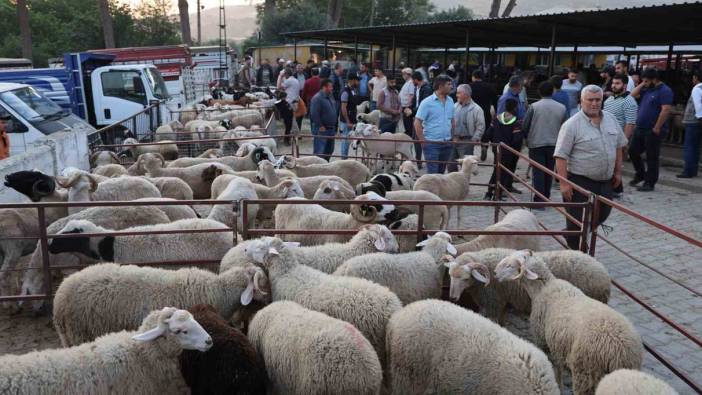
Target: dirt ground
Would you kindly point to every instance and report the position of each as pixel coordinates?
(22, 333)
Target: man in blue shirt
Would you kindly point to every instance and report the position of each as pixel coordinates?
(323, 117)
(656, 104)
(434, 122)
(363, 78)
(558, 94)
(515, 87)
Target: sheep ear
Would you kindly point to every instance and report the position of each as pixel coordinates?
(291, 244)
(479, 276)
(247, 295)
(149, 335)
(422, 243)
(336, 188)
(380, 243)
(451, 249)
(531, 275)
(273, 251)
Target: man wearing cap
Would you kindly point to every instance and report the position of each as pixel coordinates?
(4, 138)
(349, 101)
(434, 122)
(406, 98)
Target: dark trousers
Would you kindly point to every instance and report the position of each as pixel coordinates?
(644, 140)
(323, 147)
(299, 121)
(458, 151)
(692, 148)
(602, 188)
(510, 162)
(542, 182)
(437, 152)
(387, 125)
(408, 122)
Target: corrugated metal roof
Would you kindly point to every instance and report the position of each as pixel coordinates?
(652, 25)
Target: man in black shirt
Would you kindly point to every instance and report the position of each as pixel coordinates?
(484, 96)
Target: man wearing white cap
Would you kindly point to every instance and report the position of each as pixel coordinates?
(406, 100)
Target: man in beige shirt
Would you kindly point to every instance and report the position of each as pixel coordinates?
(588, 153)
(376, 85)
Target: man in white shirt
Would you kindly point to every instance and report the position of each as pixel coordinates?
(692, 120)
(376, 85)
(622, 67)
(406, 100)
(291, 86)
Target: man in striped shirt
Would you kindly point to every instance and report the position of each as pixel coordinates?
(624, 108)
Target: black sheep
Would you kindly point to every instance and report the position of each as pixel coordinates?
(231, 366)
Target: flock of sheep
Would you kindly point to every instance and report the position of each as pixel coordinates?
(299, 313)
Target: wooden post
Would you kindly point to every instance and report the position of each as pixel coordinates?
(575, 56)
(552, 51)
(467, 55)
(371, 58)
(295, 50)
(326, 49)
(668, 63)
(445, 58)
(394, 67)
(355, 50)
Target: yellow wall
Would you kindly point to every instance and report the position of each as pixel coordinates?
(288, 53)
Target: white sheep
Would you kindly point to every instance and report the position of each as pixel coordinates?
(303, 160)
(172, 187)
(168, 151)
(221, 179)
(314, 216)
(249, 162)
(147, 248)
(168, 131)
(173, 212)
(401, 144)
(270, 176)
(350, 170)
(436, 347)
(331, 356)
(228, 214)
(385, 182)
(211, 153)
(131, 362)
(411, 276)
(198, 177)
(471, 272)
(409, 169)
(101, 158)
(435, 216)
(333, 189)
(451, 186)
(122, 295)
(326, 257)
(407, 243)
(361, 303)
(515, 220)
(288, 188)
(110, 171)
(632, 382)
(584, 335)
(370, 118)
(246, 145)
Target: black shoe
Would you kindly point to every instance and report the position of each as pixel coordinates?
(616, 195)
(684, 175)
(645, 188)
(514, 190)
(488, 196)
(635, 181)
(483, 153)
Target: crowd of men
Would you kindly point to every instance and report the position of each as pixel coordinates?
(582, 131)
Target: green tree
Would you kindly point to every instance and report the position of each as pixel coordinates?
(451, 14)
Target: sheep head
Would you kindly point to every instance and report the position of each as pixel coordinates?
(261, 153)
(373, 212)
(103, 158)
(149, 161)
(291, 189)
(516, 266)
(333, 189)
(245, 149)
(289, 162)
(409, 169)
(177, 323)
(82, 244)
(262, 250)
(443, 237)
(33, 184)
(464, 272)
(383, 240)
(257, 286)
(469, 163)
(77, 180)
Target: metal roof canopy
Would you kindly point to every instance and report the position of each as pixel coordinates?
(648, 25)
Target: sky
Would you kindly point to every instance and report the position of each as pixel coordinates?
(192, 4)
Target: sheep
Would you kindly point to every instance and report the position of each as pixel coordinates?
(131, 362)
(269, 175)
(333, 189)
(222, 180)
(168, 151)
(304, 160)
(350, 170)
(246, 145)
(110, 171)
(401, 145)
(117, 218)
(632, 382)
(211, 153)
(361, 303)
(436, 347)
(579, 269)
(371, 118)
(411, 276)
(451, 186)
(289, 188)
(230, 366)
(101, 158)
(83, 187)
(146, 248)
(435, 217)
(174, 213)
(587, 336)
(327, 257)
(330, 356)
(407, 243)
(314, 216)
(515, 220)
(249, 162)
(409, 169)
(234, 138)
(172, 187)
(385, 182)
(228, 214)
(195, 176)
(129, 292)
(167, 131)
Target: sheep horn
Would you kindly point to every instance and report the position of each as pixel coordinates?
(93, 157)
(93, 183)
(67, 183)
(163, 160)
(115, 157)
(482, 269)
(256, 279)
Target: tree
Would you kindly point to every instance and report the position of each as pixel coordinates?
(106, 23)
(334, 10)
(25, 30)
(184, 21)
(495, 8)
(456, 13)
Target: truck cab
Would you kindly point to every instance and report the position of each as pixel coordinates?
(33, 115)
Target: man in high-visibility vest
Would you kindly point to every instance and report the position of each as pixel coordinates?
(4, 138)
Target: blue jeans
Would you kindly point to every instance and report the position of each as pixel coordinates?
(323, 147)
(441, 152)
(372, 105)
(387, 125)
(344, 143)
(692, 148)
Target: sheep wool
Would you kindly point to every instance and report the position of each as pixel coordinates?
(230, 366)
(128, 292)
(632, 382)
(436, 347)
(515, 220)
(308, 353)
